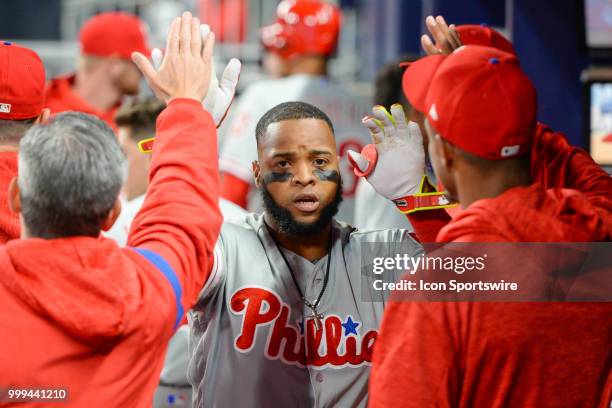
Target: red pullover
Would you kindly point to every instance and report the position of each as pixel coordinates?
(484, 354)
(83, 314)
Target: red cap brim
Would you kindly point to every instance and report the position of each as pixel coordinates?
(417, 78)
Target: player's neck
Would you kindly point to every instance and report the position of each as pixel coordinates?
(492, 185)
(310, 65)
(311, 247)
(100, 96)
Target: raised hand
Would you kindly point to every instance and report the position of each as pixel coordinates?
(395, 164)
(446, 37)
(220, 93)
(186, 67)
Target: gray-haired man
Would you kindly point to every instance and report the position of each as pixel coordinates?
(84, 320)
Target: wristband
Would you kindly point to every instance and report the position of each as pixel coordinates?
(422, 201)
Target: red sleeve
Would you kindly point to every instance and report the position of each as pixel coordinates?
(428, 223)
(234, 189)
(556, 163)
(415, 363)
(180, 219)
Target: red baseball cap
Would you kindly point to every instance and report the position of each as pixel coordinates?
(469, 35)
(479, 100)
(472, 34)
(22, 82)
(114, 33)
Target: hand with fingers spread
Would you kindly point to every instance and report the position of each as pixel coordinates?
(220, 93)
(186, 68)
(446, 37)
(395, 164)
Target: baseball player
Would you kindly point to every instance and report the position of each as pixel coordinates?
(297, 45)
(372, 209)
(492, 354)
(105, 73)
(284, 318)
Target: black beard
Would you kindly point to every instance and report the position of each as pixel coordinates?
(289, 225)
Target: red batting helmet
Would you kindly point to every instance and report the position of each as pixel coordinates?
(303, 27)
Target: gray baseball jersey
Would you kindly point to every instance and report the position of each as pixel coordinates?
(252, 343)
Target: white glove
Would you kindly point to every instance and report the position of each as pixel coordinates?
(220, 94)
(395, 164)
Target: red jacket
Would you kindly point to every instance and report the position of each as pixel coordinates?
(531, 214)
(481, 354)
(59, 97)
(83, 314)
(9, 221)
(555, 164)
(493, 355)
(502, 354)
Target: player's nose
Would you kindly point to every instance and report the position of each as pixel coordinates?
(303, 173)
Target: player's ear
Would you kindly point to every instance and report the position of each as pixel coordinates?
(447, 153)
(14, 201)
(116, 66)
(256, 173)
(112, 216)
(44, 116)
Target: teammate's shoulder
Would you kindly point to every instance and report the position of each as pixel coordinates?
(242, 228)
(231, 212)
(236, 227)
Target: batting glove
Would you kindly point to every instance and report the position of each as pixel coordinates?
(395, 164)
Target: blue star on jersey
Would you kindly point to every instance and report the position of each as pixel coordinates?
(350, 326)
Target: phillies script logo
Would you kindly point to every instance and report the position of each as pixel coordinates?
(336, 343)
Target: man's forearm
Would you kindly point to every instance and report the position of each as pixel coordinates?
(180, 218)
